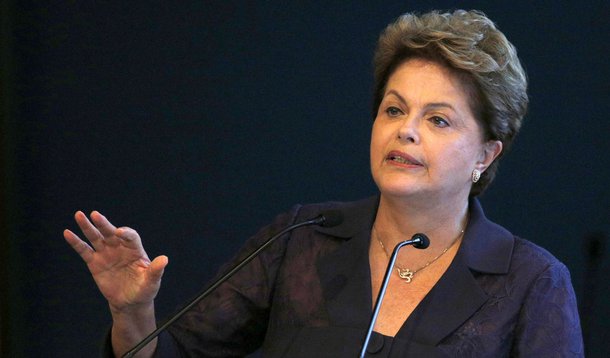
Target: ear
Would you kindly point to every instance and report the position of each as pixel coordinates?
(491, 150)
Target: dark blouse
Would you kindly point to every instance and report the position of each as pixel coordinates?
(309, 295)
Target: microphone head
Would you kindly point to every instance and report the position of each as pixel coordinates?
(421, 241)
(331, 218)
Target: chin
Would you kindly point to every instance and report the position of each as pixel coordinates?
(405, 190)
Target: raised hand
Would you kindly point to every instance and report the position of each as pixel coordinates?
(117, 260)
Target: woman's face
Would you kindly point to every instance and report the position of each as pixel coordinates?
(425, 141)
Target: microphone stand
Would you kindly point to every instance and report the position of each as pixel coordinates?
(419, 241)
(319, 220)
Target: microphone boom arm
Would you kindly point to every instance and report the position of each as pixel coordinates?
(419, 241)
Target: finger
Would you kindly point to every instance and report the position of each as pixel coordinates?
(102, 224)
(105, 228)
(84, 251)
(157, 267)
(89, 230)
(129, 238)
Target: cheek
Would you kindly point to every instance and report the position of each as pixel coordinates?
(375, 141)
(454, 157)
(465, 155)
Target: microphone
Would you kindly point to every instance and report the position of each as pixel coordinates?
(328, 218)
(419, 241)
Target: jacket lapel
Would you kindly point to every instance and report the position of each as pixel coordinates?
(455, 298)
(345, 274)
(346, 284)
(486, 248)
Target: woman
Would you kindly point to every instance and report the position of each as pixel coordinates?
(450, 95)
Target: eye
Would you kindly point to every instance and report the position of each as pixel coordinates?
(393, 111)
(439, 121)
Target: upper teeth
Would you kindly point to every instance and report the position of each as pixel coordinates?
(400, 159)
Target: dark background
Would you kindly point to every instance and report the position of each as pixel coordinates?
(196, 122)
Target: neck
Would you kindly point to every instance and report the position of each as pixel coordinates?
(398, 220)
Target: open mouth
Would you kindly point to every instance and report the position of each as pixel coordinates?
(402, 158)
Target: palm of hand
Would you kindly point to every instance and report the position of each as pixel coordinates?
(122, 276)
(117, 260)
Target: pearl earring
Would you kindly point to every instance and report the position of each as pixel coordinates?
(476, 175)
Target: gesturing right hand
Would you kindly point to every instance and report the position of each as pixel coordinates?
(117, 260)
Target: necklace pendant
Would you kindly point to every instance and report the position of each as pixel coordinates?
(405, 274)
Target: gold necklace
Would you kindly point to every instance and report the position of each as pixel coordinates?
(405, 273)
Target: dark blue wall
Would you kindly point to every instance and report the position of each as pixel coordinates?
(196, 123)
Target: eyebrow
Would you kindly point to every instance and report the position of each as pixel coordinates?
(432, 105)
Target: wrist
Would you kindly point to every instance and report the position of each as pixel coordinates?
(130, 325)
(134, 310)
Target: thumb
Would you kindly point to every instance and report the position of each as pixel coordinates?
(156, 268)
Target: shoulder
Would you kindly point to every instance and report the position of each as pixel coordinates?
(347, 208)
(532, 260)
(491, 248)
(532, 275)
(508, 264)
(545, 272)
(528, 252)
(354, 216)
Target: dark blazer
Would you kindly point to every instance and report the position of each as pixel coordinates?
(309, 295)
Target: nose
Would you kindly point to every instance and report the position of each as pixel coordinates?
(408, 131)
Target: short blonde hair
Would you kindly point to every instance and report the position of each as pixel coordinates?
(468, 43)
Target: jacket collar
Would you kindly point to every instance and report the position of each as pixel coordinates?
(487, 247)
(358, 216)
